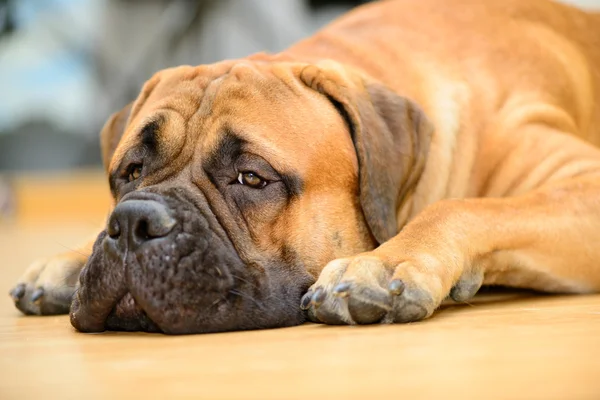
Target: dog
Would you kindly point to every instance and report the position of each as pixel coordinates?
(407, 152)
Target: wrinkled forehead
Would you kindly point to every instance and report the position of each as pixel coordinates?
(165, 104)
(263, 105)
(275, 115)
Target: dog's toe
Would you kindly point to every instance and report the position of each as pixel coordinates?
(47, 287)
(412, 304)
(467, 286)
(368, 304)
(17, 292)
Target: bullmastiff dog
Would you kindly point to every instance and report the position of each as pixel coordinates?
(410, 151)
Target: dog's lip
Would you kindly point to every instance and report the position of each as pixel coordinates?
(127, 306)
(127, 315)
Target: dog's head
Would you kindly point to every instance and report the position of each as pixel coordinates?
(234, 184)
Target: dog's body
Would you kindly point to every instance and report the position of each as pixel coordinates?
(414, 149)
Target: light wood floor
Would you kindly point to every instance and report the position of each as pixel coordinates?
(511, 346)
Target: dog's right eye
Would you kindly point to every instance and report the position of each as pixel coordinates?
(134, 172)
(251, 179)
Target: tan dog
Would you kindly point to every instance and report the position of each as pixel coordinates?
(409, 151)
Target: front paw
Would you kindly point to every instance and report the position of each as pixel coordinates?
(47, 286)
(370, 288)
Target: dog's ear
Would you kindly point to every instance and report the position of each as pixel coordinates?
(111, 134)
(391, 135)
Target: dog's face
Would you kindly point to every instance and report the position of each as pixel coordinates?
(234, 184)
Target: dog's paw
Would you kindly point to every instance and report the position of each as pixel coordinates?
(47, 286)
(368, 289)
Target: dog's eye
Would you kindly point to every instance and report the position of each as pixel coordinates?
(251, 179)
(135, 171)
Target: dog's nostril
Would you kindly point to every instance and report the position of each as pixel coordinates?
(139, 221)
(141, 230)
(113, 229)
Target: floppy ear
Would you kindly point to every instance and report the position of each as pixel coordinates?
(111, 134)
(391, 135)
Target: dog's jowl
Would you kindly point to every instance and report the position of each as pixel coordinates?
(408, 152)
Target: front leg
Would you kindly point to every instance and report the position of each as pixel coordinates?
(546, 240)
(403, 280)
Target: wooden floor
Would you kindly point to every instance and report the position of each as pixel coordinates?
(511, 346)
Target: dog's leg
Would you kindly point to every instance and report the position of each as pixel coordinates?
(546, 239)
(47, 286)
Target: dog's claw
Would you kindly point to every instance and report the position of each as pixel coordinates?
(318, 297)
(37, 295)
(306, 299)
(396, 287)
(341, 290)
(18, 292)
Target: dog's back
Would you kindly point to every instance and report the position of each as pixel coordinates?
(489, 57)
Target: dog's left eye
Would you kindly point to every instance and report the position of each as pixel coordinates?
(135, 171)
(251, 179)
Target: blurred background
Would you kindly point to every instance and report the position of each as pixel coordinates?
(66, 65)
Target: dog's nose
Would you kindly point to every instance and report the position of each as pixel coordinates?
(134, 222)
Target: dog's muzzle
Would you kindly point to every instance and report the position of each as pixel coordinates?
(164, 264)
